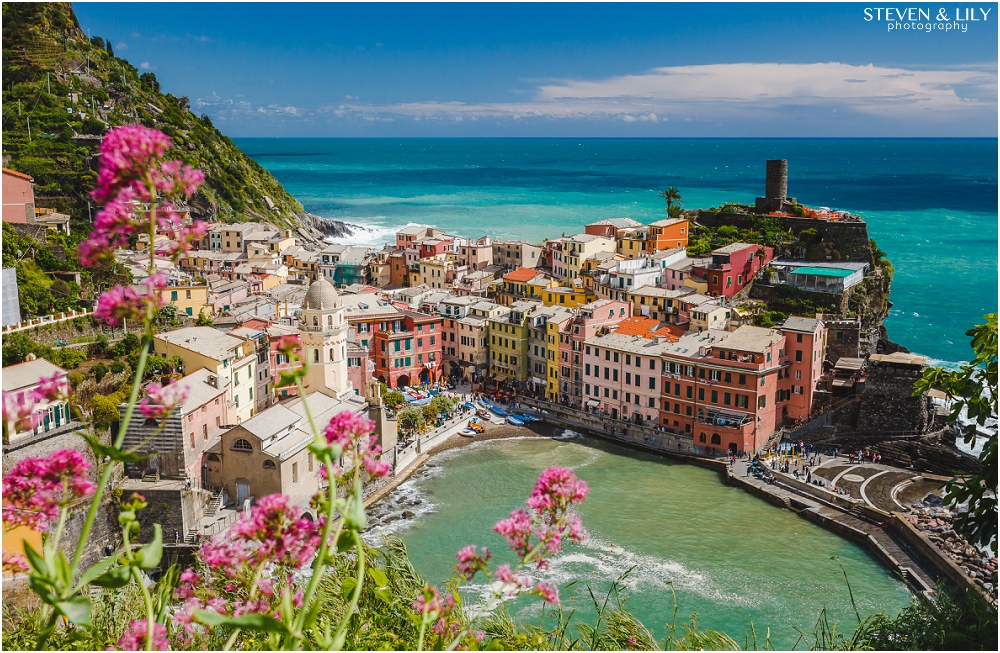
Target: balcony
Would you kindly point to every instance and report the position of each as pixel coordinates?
(724, 418)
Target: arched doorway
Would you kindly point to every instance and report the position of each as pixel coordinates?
(402, 380)
(425, 375)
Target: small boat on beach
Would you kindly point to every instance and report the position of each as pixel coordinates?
(498, 411)
(513, 421)
(467, 433)
(528, 418)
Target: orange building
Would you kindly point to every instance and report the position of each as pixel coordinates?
(667, 234)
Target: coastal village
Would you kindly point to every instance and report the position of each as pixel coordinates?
(620, 330)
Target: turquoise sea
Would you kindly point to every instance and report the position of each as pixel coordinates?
(676, 530)
(930, 203)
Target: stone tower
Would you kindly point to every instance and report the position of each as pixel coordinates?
(323, 331)
(775, 188)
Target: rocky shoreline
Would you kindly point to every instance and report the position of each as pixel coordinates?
(936, 522)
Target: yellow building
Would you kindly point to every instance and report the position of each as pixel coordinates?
(556, 328)
(231, 358)
(567, 297)
(656, 303)
(578, 248)
(474, 337)
(523, 284)
(709, 315)
(437, 271)
(190, 300)
(509, 342)
(632, 244)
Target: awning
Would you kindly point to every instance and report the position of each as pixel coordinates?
(593, 403)
(500, 378)
(537, 380)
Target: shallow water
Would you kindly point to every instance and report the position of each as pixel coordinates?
(730, 557)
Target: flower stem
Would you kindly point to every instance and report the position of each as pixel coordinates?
(106, 474)
(338, 640)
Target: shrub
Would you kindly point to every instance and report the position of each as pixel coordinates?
(410, 419)
(104, 411)
(99, 370)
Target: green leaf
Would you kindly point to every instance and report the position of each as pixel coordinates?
(149, 556)
(346, 541)
(95, 571)
(259, 622)
(38, 563)
(101, 450)
(117, 577)
(378, 576)
(355, 519)
(384, 594)
(77, 610)
(347, 587)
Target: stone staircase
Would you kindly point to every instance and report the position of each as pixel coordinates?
(151, 476)
(213, 505)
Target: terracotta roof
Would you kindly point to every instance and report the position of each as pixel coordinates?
(17, 174)
(648, 328)
(521, 274)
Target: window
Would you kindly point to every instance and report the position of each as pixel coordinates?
(309, 462)
(269, 464)
(798, 337)
(716, 439)
(742, 401)
(701, 394)
(652, 383)
(798, 356)
(242, 445)
(743, 379)
(762, 402)
(173, 295)
(701, 437)
(204, 431)
(715, 396)
(295, 472)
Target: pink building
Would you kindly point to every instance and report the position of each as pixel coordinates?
(805, 344)
(732, 267)
(18, 197)
(279, 362)
(591, 318)
(176, 449)
(621, 376)
(434, 246)
(477, 254)
(554, 256)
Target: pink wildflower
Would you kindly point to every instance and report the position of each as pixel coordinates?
(511, 582)
(428, 601)
(470, 561)
(632, 641)
(19, 411)
(547, 592)
(160, 400)
(126, 154)
(51, 388)
(35, 488)
(129, 303)
(281, 534)
(15, 563)
(289, 344)
(135, 638)
(517, 531)
(556, 489)
(347, 427)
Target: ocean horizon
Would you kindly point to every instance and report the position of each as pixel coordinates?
(930, 203)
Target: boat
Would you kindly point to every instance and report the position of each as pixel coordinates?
(498, 411)
(482, 412)
(529, 418)
(467, 433)
(513, 421)
(475, 426)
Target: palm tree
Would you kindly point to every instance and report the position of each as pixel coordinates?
(671, 195)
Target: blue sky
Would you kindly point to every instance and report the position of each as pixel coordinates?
(668, 69)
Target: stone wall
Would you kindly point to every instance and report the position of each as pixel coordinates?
(888, 404)
(850, 238)
(174, 510)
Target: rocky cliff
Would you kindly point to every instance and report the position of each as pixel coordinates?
(62, 91)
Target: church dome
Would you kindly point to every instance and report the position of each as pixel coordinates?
(321, 296)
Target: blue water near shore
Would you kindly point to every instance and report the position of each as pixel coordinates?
(930, 203)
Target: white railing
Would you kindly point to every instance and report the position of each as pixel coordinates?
(48, 319)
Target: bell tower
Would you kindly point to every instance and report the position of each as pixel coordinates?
(323, 332)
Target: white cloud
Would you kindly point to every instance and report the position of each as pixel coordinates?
(145, 65)
(121, 46)
(714, 91)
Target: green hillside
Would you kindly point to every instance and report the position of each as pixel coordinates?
(62, 91)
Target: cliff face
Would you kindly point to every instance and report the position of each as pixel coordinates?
(62, 91)
(820, 240)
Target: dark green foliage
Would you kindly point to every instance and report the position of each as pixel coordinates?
(948, 624)
(974, 388)
(44, 38)
(99, 371)
(18, 345)
(769, 318)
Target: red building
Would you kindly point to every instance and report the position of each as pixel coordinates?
(732, 267)
(408, 351)
(434, 246)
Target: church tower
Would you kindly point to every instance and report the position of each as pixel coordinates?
(323, 331)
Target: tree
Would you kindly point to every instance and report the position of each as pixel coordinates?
(204, 319)
(442, 404)
(111, 51)
(99, 370)
(973, 387)
(393, 398)
(410, 419)
(672, 196)
(149, 81)
(16, 348)
(430, 414)
(105, 411)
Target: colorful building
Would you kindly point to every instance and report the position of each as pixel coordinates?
(409, 353)
(669, 233)
(733, 267)
(509, 342)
